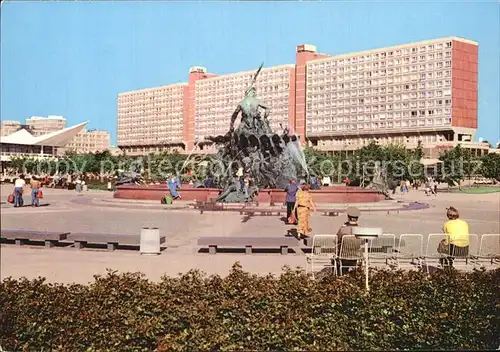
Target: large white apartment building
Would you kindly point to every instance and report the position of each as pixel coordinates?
(149, 119)
(403, 94)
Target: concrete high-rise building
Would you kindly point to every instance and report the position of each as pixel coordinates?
(9, 126)
(90, 141)
(38, 125)
(151, 120)
(424, 91)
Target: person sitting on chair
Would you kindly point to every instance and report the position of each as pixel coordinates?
(353, 214)
(457, 237)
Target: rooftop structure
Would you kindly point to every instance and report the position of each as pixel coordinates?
(39, 125)
(9, 126)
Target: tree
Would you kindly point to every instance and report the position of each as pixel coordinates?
(315, 160)
(415, 166)
(451, 169)
(490, 166)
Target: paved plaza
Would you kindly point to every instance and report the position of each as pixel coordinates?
(71, 213)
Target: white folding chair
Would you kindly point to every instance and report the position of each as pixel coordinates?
(489, 248)
(409, 247)
(468, 253)
(382, 247)
(350, 251)
(323, 253)
(432, 253)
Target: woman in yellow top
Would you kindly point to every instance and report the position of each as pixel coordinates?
(457, 235)
(303, 205)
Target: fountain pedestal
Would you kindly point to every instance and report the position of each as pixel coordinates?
(333, 194)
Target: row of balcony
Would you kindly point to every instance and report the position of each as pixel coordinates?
(386, 55)
(409, 61)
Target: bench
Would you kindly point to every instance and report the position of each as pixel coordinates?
(248, 242)
(262, 212)
(208, 205)
(110, 240)
(22, 236)
(328, 212)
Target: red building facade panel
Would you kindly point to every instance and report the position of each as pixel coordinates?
(292, 100)
(464, 84)
(189, 106)
(302, 57)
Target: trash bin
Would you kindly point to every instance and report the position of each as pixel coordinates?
(150, 241)
(85, 188)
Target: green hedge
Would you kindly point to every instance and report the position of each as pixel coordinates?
(119, 312)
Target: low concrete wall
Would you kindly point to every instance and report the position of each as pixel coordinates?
(277, 196)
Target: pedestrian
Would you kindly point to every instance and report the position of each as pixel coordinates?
(19, 184)
(428, 189)
(239, 176)
(315, 185)
(173, 185)
(68, 180)
(303, 205)
(347, 181)
(246, 186)
(209, 181)
(78, 186)
(326, 181)
(291, 196)
(404, 188)
(35, 187)
(394, 185)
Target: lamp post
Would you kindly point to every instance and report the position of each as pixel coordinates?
(366, 234)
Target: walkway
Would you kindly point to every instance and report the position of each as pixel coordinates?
(67, 212)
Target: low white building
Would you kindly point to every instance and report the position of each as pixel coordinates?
(24, 144)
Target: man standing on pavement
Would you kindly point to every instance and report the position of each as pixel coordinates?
(291, 196)
(35, 186)
(18, 191)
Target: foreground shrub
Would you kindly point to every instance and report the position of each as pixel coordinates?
(405, 310)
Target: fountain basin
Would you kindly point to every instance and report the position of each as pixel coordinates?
(332, 194)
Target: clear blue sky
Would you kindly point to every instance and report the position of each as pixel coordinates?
(72, 58)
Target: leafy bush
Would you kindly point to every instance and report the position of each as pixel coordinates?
(404, 310)
(100, 186)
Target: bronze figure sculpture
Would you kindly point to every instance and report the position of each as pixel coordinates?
(262, 158)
